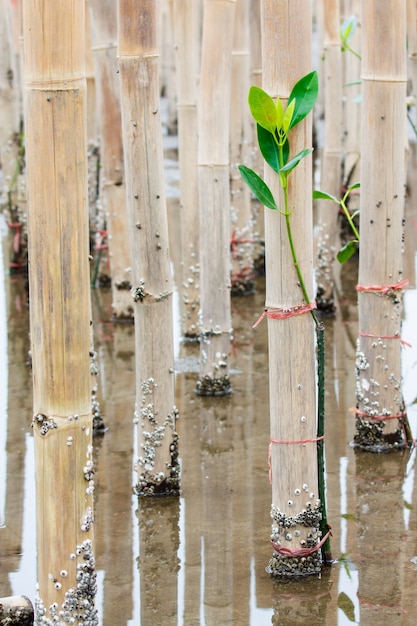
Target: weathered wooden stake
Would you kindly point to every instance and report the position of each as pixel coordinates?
(380, 412)
(214, 196)
(56, 153)
(296, 511)
(156, 414)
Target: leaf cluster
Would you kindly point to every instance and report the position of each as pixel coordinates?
(273, 126)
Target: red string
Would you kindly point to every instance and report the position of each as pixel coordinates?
(234, 242)
(383, 288)
(245, 274)
(301, 551)
(300, 441)
(100, 245)
(381, 418)
(16, 239)
(283, 313)
(405, 344)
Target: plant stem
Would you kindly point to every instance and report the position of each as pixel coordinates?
(326, 550)
(348, 216)
(294, 255)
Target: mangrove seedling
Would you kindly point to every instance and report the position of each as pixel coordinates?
(351, 246)
(274, 125)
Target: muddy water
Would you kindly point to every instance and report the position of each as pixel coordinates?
(200, 560)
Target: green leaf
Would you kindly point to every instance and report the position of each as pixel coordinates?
(348, 28)
(348, 516)
(346, 605)
(289, 112)
(295, 160)
(353, 186)
(322, 195)
(258, 187)
(280, 114)
(304, 93)
(263, 109)
(347, 251)
(268, 147)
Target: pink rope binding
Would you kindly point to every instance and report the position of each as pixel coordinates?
(285, 312)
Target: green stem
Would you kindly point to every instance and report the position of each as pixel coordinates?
(326, 550)
(294, 255)
(348, 216)
(413, 126)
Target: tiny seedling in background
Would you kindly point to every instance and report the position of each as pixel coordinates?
(346, 31)
(351, 246)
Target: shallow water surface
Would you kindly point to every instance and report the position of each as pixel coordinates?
(200, 559)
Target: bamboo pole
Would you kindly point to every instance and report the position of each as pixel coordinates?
(186, 16)
(412, 47)
(103, 19)
(55, 123)
(242, 244)
(327, 215)
(352, 108)
(380, 406)
(156, 414)
(167, 78)
(286, 54)
(214, 196)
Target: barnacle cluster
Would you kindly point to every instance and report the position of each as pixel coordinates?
(45, 424)
(151, 482)
(304, 527)
(78, 606)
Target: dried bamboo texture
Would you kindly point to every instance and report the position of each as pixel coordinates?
(214, 196)
(242, 245)
(380, 404)
(9, 102)
(156, 414)
(56, 153)
(186, 17)
(286, 54)
(103, 19)
(352, 103)
(167, 78)
(256, 159)
(327, 214)
(412, 44)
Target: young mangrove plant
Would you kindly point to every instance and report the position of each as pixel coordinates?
(274, 125)
(296, 536)
(349, 248)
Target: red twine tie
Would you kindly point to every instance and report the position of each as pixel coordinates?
(383, 288)
(283, 313)
(300, 441)
(404, 344)
(301, 551)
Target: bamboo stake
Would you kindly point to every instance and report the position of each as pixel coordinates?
(327, 216)
(352, 108)
(214, 196)
(256, 79)
(55, 123)
(186, 16)
(156, 414)
(380, 406)
(240, 144)
(113, 191)
(286, 54)
(412, 46)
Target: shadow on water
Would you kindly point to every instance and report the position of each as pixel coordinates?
(200, 560)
